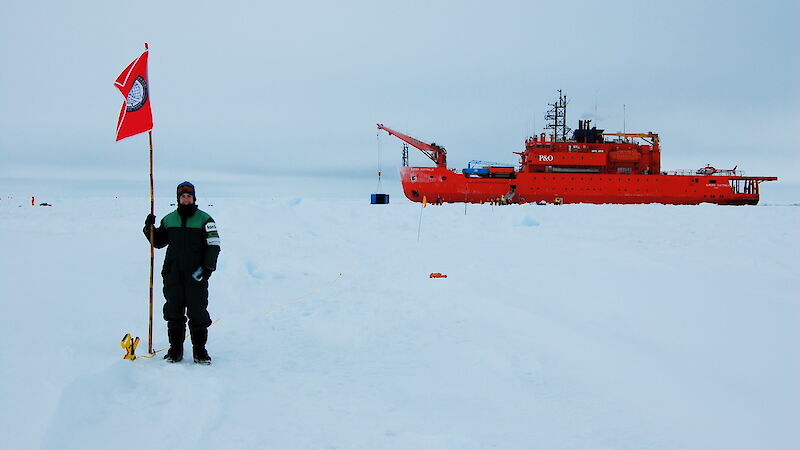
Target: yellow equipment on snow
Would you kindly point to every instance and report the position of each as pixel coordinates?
(129, 345)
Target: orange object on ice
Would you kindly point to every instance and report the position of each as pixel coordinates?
(437, 275)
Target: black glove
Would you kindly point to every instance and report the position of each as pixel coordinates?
(151, 220)
(207, 273)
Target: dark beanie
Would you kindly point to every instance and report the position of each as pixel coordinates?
(185, 188)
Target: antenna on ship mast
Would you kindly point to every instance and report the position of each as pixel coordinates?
(557, 115)
(596, 117)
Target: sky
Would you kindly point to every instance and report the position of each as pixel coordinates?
(268, 89)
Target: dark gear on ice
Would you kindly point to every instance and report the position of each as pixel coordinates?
(192, 242)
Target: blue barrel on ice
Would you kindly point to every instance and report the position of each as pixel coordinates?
(379, 199)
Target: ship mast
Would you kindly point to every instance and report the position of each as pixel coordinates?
(557, 118)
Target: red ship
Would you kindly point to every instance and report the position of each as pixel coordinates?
(591, 166)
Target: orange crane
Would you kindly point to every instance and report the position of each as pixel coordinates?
(436, 153)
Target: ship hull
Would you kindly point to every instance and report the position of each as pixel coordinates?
(444, 185)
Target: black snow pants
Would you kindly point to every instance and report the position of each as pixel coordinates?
(185, 296)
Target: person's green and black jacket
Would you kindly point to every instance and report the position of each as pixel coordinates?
(192, 238)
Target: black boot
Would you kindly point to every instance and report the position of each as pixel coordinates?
(175, 352)
(199, 338)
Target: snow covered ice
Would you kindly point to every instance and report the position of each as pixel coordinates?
(569, 327)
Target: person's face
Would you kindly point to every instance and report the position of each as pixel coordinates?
(186, 199)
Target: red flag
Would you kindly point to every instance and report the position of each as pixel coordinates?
(135, 116)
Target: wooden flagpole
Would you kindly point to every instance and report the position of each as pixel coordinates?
(152, 251)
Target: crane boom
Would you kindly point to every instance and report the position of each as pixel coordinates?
(436, 153)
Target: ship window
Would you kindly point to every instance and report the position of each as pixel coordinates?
(430, 176)
(413, 178)
(444, 178)
(712, 181)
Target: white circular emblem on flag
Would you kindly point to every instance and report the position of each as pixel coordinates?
(137, 95)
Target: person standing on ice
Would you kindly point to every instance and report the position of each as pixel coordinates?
(192, 242)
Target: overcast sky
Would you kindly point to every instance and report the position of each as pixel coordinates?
(297, 87)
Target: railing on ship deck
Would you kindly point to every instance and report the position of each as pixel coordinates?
(693, 172)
